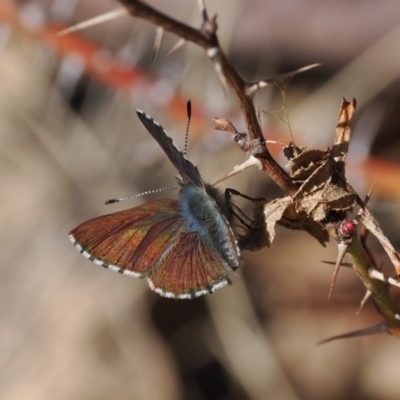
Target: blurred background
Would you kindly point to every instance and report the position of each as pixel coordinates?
(70, 140)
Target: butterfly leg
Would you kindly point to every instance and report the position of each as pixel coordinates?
(229, 192)
(255, 236)
(235, 210)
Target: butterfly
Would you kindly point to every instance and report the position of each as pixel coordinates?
(184, 248)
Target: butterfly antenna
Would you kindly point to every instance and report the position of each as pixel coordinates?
(112, 201)
(189, 116)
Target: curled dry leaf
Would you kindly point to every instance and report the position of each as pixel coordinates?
(342, 138)
(273, 212)
(323, 187)
(321, 175)
(281, 211)
(241, 138)
(223, 124)
(302, 163)
(324, 200)
(292, 219)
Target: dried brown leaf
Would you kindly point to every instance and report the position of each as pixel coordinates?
(273, 212)
(324, 188)
(223, 124)
(302, 163)
(343, 131)
(291, 219)
(318, 178)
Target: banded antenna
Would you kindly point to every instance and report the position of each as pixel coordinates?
(189, 116)
(118, 200)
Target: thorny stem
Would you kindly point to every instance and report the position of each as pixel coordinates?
(209, 41)
(381, 294)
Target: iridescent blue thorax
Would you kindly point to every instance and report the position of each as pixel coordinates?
(204, 217)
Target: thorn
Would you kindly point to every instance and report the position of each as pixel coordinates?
(342, 247)
(378, 275)
(119, 12)
(382, 327)
(252, 88)
(343, 264)
(176, 46)
(366, 201)
(366, 297)
(157, 43)
(250, 162)
(368, 196)
(215, 55)
(203, 10)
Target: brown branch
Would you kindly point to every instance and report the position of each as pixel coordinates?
(142, 10)
(207, 39)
